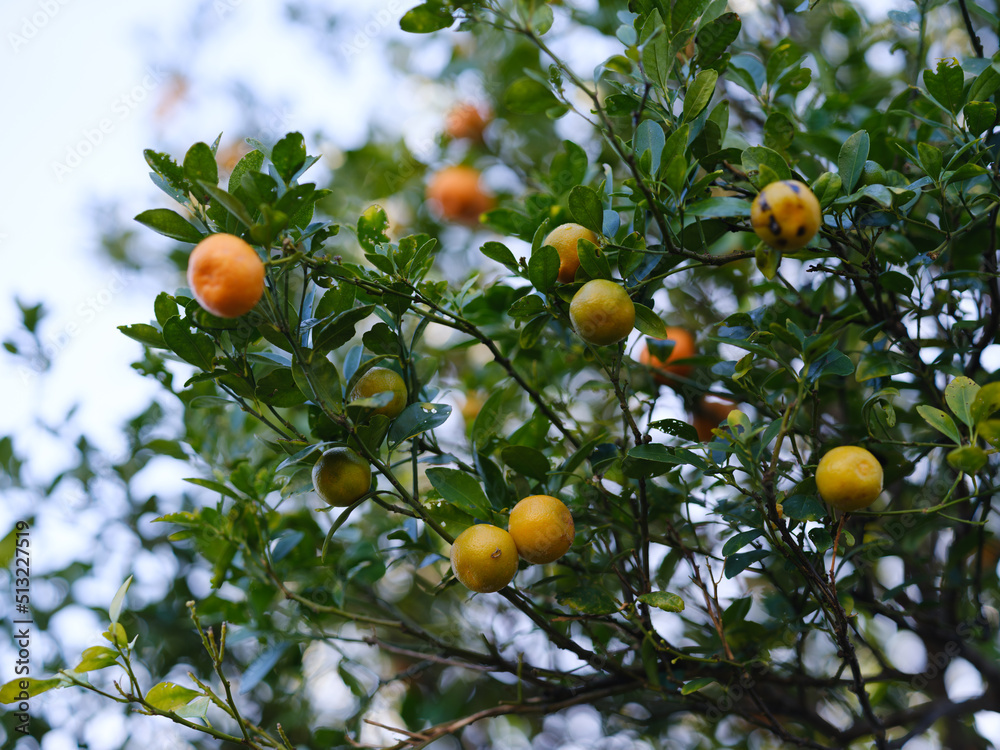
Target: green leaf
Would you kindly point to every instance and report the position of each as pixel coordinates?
(527, 461)
(372, 227)
(768, 260)
(686, 12)
(648, 322)
(461, 490)
(877, 365)
(960, 394)
(736, 564)
(989, 430)
(586, 207)
(947, 84)
(738, 541)
(693, 686)
(663, 600)
(724, 207)
(95, 658)
(931, 159)
(649, 137)
(826, 188)
(278, 388)
(229, 202)
(417, 419)
(200, 166)
(196, 348)
(940, 421)
(831, 362)
(251, 162)
(334, 333)
(146, 335)
(699, 94)
(851, 162)
(288, 156)
(979, 116)
(779, 132)
(170, 224)
(543, 268)
(168, 696)
(592, 258)
(803, 508)
(968, 459)
(319, 380)
(426, 18)
(527, 306)
(713, 39)
(756, 158)
(115, 610)
(169, 171)
(986, 403)
(589, 600)
(526, 96)
(23, 688)
(501, 254)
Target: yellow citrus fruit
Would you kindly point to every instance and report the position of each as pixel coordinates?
(380, 380)
(467, 120)
(542, 528)
(786, 215)
(457, 195)
(602, 312)
(341, 476)
(849, 478)
(563, 238)
(226, 275)
(683, 348)
(484, 558)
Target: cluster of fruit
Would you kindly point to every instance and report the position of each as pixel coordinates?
(226, 276)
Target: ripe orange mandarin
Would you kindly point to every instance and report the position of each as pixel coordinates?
(226, 275)
(683, 348)
(457, 194)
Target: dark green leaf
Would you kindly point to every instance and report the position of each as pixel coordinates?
(589, 600)
(335, 333)
(739, 541)
(663, 600)
(144, 334)
(501, 254)
(736, 564)
(461, 490)
(200, 166)
(543, 268)
(648, 322)
(756, 158)
(527, 461)
(586, 207)
(196, 348)
(417, 419)
(527, 96)
(947, 84)
(699, 94)
(170, 224)
(852, 158)
(288, 156)
(426, 18)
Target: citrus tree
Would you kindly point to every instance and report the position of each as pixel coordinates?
(725, 369)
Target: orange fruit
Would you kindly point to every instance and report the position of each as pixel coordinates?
(380, 380)
(484, 558)
(849, 478)
(708, 413)
(466, 120)
(470, 408)
(542, 528)
(602, 312)
(226, 275)
(786, 215)
(683, 349)
(563, 238)
(341, 477)
(456, 194)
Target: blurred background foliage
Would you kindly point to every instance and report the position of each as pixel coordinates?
(830, 72)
